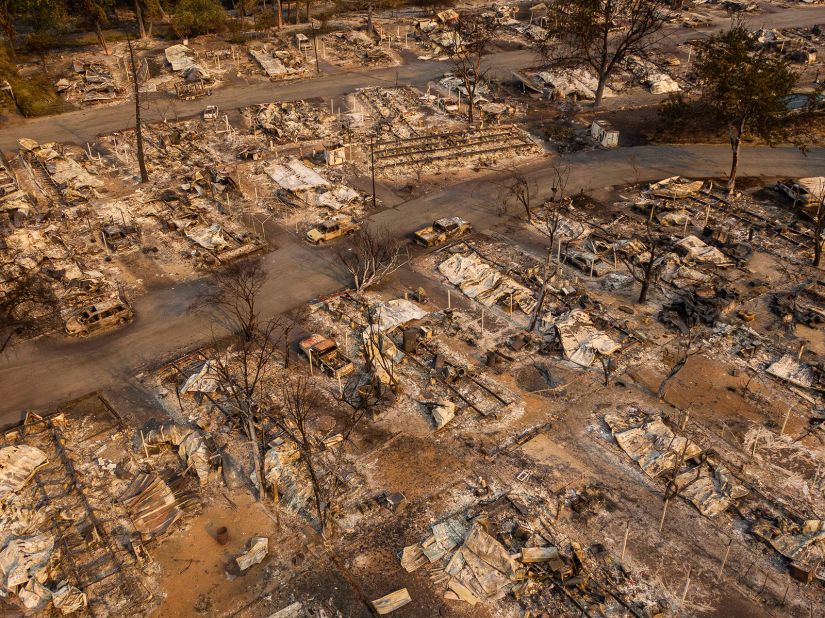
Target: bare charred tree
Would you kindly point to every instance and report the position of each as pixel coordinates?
(645, 273)
(687, 347)
(521, 189)
(374, 255)
(234, 297)
(242, 361)
(543, 292)
(28, 304)
(561, 175)
(552, 222)
(472, 37)
(378, 350)
(241, 368)
(608, 367)
(601, 35)
(302, 403)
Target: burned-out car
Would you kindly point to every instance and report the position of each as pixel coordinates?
(441, 231)
(331, 229)
(100, 316)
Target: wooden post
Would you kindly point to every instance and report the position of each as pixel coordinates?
(725, 559)
(559, 506)
(785, 422)
(143, 441)
(309, 354)
(687, 584)
(624, 542)
(707, 214)
(764, 583)
(664, 511)
(144, 176)
(785, 594)
(340, 387)
(755, 440)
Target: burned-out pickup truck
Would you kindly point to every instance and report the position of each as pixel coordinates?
(323, 352)
(442, 230)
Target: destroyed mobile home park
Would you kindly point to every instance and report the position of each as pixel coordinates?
(325, 311)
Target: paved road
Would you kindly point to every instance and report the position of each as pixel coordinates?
(39, 374)
(82, 126)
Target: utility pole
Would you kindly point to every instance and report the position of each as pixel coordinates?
(315, 46)
(372, 168)
(144, 176)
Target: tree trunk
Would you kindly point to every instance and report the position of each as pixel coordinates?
(8, 29)
(818, 230)
(735, 142)
(144, 175)
(100, 38)
(308, 16)
(279, 17)
(648, 275)
(139, 17)
(256, 454)
(600, 91)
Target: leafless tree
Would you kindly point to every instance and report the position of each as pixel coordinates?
(472, 37)
(244, 360)
(561, 175)
(302, 403)
(28, 304)
(522, 189)
(379, 350)
(234, 297)
(242, 367)
(374, 255)
(608, 367)
(645, 274)
(552, 221)
(543, 292)
(553, 216)
(688, 346)
(601, 34)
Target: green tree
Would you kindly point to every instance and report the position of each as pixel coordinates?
(193, 17)
(601, 34)
(9, 11)
(743, 88)
(96, 14)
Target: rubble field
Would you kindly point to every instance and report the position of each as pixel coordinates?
(494, 431)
